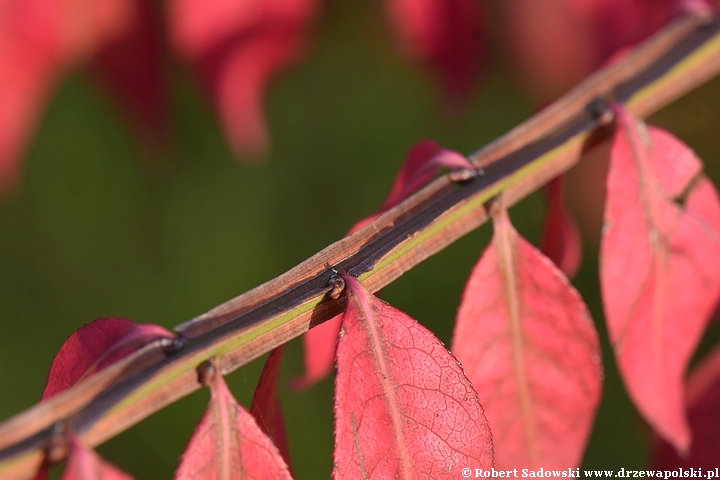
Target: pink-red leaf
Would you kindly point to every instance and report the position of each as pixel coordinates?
(659, 268)
(266, 406)
(403, 406)
(95, 346)
(528, 345)
(421, 164)
(239, 47)
(560, 240)
(228, 444)
(84, 464)
(319, 343)
(703, 402)
(446, 35)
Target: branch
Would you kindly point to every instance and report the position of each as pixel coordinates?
(683, 55)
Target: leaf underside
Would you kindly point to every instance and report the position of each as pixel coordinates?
(659, 268)
(526, 341)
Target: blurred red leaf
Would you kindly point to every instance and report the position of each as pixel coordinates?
(703, 402)
(84, 464)
(239, 47)
(39, 42)
(266, 406)
(554, 44)
(659, 269)
(446, 35)
(95, 346)
(229, 444)
(319, 346)
(421, 164)
(403, 406)
(528, 345)
(132, 65)
(560, 240)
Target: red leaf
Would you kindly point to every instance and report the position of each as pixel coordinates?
(526, 341)
(84, 464)
(403, 407)
(703, 402)
(447, 35)
(554, 44)
(229, 444)
(132, 66)
(266, 406)
(95, 346)
(239, 47)
(39, 41)
(319, 343)
(421, 164)
(659, 268)
(560, 240)
(424, 160)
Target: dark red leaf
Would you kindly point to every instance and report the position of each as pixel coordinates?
(703, 402)
(95, 346)
(659, 267)
(446, 35)
(132, 66)
(228, 444)
(560, 240)
(239, 47)
(403, 407)
(528, 345)
(266, 406)
(84, 464)
(421, 164)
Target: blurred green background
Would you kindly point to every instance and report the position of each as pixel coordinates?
(100, 228)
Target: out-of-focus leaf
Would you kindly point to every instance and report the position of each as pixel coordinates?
(421, 164)
(659, 268)
(319, 344)
(239, 47)
(228, 444)
(554, 44)
(702, 398)
(95, 346)
(39, 42)
(84, 464)
(560, 240)
(403, 406)
(448, 36)
(266, 406)
(528, 345)
(132, 66)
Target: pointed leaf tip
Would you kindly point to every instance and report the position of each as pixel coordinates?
(228, 444)
(522, 331)
(703, 407)
(659, 269)
(266, 406)
(403, 406)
